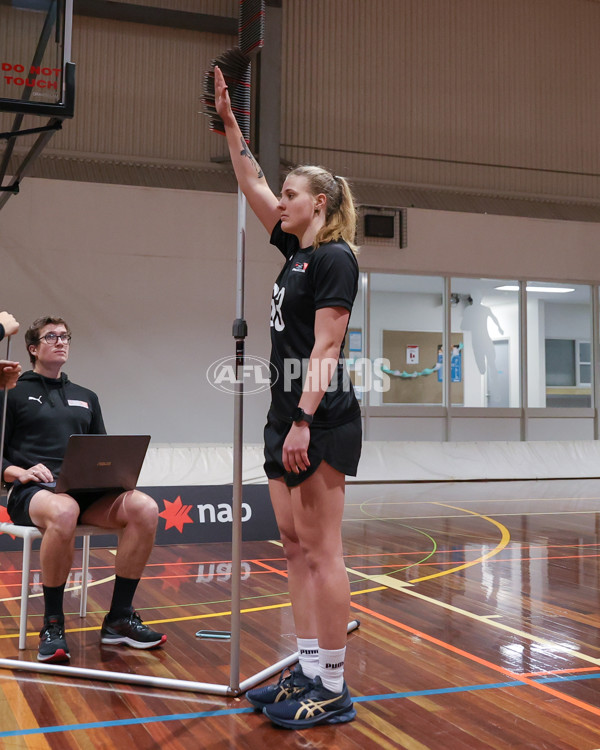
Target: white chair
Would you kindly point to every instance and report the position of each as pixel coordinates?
(28, 534)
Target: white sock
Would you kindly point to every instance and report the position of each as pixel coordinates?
(331, 668)
(309, 656)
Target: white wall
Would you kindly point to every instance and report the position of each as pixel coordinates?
(568, 321)
(146, 279)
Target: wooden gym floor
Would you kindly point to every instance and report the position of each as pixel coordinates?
(479, 610)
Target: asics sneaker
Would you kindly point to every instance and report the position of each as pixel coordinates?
(315, 706)
(290, 686)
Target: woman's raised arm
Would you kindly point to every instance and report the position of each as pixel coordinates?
(249, 175)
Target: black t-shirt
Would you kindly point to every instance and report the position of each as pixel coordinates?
(309, 281)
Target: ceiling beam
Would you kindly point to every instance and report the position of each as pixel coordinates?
(174, 19)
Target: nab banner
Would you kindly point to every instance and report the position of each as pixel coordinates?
(193, 515)
(205, 513)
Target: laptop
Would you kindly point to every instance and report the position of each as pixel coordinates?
(102, 462)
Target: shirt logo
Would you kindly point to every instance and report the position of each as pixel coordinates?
(276, 302)
(300, 267)
(38, 399)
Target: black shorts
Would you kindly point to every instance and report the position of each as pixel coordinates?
(19, 498)
(338, 446)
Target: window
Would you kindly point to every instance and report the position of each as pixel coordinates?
(559, 332)
(354, 349)
(485, 342)
(406, 324)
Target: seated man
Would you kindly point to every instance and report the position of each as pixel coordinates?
(43, 410)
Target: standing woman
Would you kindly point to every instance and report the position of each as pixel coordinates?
(313, 432)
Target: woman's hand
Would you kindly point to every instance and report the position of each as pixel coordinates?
(222, 100)
(9, 373)
(10, 324)
(295, 449)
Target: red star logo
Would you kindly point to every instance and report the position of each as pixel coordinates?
(176, 514)
(5, 518)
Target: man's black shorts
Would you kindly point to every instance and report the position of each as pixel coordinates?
(338, 446)
(19, 498)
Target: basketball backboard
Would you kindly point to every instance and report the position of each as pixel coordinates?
(35, 49)
(37, 80)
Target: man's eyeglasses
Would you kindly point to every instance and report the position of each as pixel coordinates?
(52, 338)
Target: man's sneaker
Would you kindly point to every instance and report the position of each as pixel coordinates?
(316, 706)
(53, 646)
(130, 630)
(291, 686)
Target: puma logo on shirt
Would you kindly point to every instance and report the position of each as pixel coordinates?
(38, 399)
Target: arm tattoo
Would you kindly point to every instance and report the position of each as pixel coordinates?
(246, 152)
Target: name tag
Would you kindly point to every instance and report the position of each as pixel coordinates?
(74, 402)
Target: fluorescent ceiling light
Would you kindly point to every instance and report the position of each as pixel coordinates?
(548, 289)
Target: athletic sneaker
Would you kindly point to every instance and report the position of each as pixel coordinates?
(316, 706)
(295, 684)
(53, 645)
(130, 630)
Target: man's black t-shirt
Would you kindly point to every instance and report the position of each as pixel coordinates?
(309, 281)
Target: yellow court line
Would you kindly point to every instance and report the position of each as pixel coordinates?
(504, 540)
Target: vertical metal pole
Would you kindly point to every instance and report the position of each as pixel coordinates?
(269, 97)
(3, 427)
(26, 565)
(85, 566)
(27, 540)
(239, 333)
(68, 30)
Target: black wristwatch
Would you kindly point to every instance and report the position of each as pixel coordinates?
(301, 416)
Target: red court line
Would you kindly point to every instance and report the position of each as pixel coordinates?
(483, 662)
(270, 569)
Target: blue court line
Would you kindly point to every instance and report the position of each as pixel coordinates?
(233, 711)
